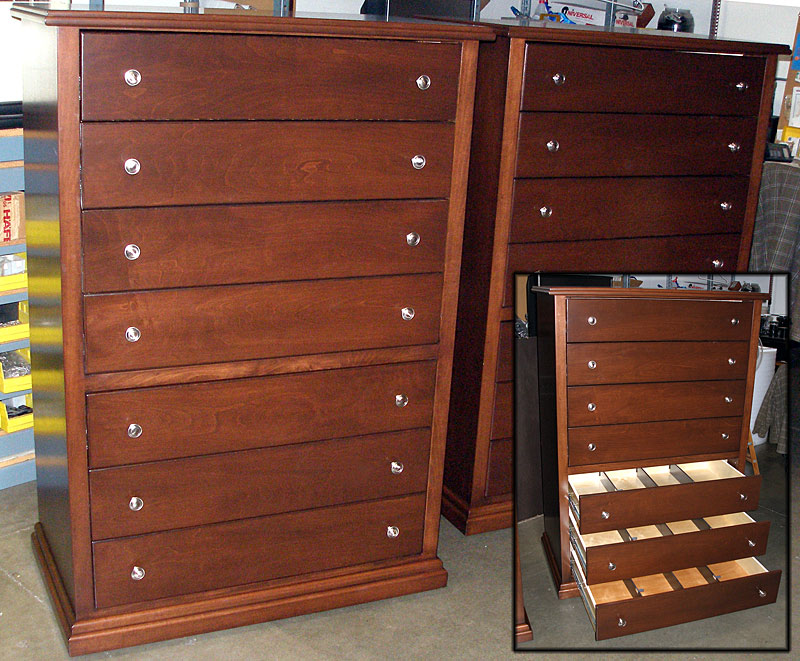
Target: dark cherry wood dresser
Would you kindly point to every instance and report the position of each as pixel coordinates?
(593, 151)
(245, 247)
(644, 409)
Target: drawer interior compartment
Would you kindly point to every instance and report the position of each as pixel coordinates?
(620, 608)
(649, 441)
(612, 500)
(628, 552)
(164, 564)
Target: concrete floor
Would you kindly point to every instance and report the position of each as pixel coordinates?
(469, 619)
(561, 625)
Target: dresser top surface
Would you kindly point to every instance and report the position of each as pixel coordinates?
(614, 292)
(172, 16)
(597, 35)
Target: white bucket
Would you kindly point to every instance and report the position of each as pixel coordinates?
(765, 370)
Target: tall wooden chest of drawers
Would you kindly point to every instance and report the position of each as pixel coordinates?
(245, 247)
(593, 151)
(644, 406)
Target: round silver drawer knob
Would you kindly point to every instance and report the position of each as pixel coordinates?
(742, 496)
(132, 251)
(553, 146)
(591, 406)
(591, 321)
(132, 77)
(734, 322)
(134, 430)
(397, 467)
(546, 212)
(136, 504)
(621, 622)
(725, 206)
(559, 79)
(412, 239)
(734, 146)
(728, 399)
(604, 515)
(132, 334)
(401, 401)
(137, 573)
(418, 162)
(407, 313)
(751, 543)
(611, 566)
(423, 82)
(392, 532)
(132, 166)
(717, 263)
(731, 361)
(592, 365)
(725, 436)
(592, 447)
(762, 593)
(742, 86)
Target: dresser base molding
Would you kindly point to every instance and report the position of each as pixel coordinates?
(522, 632)
(478, 518)
(565, 590)
(211, 613)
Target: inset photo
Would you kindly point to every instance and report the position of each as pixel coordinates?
(651, 438)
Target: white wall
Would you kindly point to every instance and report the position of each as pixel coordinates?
(10, 69)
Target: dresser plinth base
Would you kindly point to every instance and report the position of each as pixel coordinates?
(202, 613)
(523, 632)
(476, 519)
(565, 590)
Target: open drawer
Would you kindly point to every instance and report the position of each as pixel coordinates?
(612, 500)
(619, 608)
(619, 554)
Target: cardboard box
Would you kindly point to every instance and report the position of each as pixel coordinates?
(12, 217)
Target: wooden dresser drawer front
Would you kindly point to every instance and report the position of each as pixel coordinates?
(663, 319)
(578, 78)
(633, 145)
(659, 494)
(626, 207)
(265, 77)
(641, 362)
(238, 485)
(190, 246)
(646, 402)
(669, 254)
(615, 612)
(261, 549)
(502, 417)
(668, 546)
(230, 162)
(240, 322)
(204, 418)
(499, 473)
(644, 441)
